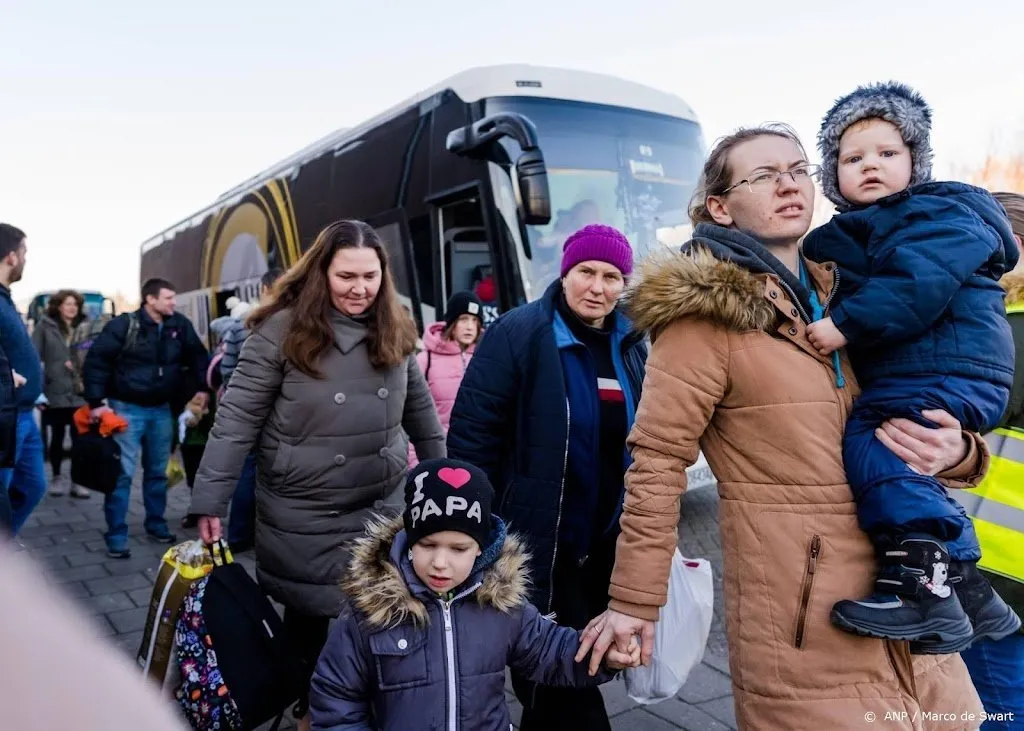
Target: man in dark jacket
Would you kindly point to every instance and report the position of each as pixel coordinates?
(8, 433)
(544, 409)
(140, 364)
(25, 482)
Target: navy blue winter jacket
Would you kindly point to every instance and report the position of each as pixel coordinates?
(918, 283)
(511, 419)
(161, 366)
(24, 358)
(400, 657)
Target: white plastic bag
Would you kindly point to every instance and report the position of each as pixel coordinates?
(680, 634)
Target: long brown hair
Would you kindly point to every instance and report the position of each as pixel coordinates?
(305, 291)
(717, 174)
(53, 309)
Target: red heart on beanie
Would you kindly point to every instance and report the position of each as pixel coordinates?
(456, 477)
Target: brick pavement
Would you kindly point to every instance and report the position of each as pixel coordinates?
(67, 536)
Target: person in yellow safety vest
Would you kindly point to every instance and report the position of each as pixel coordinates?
(997, 508)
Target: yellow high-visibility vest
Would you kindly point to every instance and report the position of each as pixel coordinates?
(997, 504)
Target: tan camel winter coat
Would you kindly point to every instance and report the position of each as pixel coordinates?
(732, 372)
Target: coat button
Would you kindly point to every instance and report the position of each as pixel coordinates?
(334, 514)
(402, 644)
(773, 294)
(339, 398)
(382, 392)
(339, 459)
(383, 452)
(793, 312)
(792, 331)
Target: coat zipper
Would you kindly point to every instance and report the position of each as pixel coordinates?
(449, 647)
(561, 496)
(805, 591)
(796, 302)
(832, 293)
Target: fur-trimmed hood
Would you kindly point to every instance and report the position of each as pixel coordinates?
(892, 101)
(672, 285)
(382, 586)
(717, 275)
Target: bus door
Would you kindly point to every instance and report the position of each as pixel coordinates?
(465, 259)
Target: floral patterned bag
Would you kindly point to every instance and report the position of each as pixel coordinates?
(237, 669)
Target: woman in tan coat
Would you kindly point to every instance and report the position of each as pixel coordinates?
(731, 372)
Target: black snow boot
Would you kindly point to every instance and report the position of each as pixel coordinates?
(912, 600)
(989, 614)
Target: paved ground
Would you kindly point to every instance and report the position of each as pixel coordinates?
(67, 535)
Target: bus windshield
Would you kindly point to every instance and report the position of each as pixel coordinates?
(625, 168)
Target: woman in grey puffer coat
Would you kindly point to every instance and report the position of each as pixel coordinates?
(327, 388)
(61, 382)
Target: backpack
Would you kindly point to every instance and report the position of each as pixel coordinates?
(85, 335)
(214, 377)
(238, 670)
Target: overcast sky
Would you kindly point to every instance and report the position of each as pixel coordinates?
(119, 118)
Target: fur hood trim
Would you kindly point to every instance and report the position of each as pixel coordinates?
(377, 588)
(892, 101)
(672, 285)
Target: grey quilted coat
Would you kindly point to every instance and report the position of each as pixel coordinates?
(330, 452)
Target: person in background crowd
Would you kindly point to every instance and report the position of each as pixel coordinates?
(544, 410)
(242, 514)
(731, 371)
(138, 364)
(8, 434)
(236, 335)
(422, 574)
(326, 389)
(25, 481)
(447, 349)
(997, 667)
(52, 338)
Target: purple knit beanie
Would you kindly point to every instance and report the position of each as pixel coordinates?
(598, 243)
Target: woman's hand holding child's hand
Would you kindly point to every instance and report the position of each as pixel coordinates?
(825, 336)
(616, 660)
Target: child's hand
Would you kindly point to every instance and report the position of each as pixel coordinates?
(825, 337)
(619, 660)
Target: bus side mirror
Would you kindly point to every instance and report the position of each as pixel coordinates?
(475, 140)
(532, 176)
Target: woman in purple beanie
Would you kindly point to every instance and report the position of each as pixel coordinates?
(544, 410)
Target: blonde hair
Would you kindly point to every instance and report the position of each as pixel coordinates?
(717, 173)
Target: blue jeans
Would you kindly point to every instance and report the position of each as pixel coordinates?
(242, 515)
(150, 431)
(25, 483)
(997, 670)
(891, 498)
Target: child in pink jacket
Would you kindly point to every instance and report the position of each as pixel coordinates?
(447, 349)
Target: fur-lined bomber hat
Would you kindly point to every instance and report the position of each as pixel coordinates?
(894, 102)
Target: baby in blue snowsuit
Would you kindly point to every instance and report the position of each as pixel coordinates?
(437, 610)
(920, 310)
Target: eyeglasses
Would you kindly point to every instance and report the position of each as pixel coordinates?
(765, 178)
